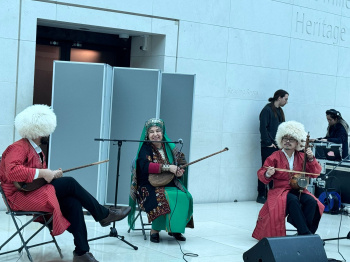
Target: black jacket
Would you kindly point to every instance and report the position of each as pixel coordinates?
(338, 135)
(269, 124)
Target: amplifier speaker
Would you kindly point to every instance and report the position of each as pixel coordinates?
(287, 249)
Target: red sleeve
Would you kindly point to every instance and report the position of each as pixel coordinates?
(261, 172)
(16, 164)
(313, 167)
(154, 168)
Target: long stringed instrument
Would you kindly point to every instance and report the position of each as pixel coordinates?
(293, 171)
(39, 182)
(165, 178)
(200, 159)
(300, 181)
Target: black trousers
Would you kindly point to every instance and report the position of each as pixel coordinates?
(302, 213)
(72, 197)
(265, 153)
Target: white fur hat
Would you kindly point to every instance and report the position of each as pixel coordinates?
(36, 121)
(293, 129)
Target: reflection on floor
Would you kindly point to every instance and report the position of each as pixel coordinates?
(222, 233)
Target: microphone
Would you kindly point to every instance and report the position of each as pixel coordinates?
(180, 141)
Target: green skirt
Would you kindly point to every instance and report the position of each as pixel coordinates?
(181, 206)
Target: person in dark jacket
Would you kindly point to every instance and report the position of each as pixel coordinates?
(271, 116)
(337, 131)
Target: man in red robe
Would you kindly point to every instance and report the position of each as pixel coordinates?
(64, 197)
(302, 208)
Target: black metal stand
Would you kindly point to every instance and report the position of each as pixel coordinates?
(336, 238)
(114, 232)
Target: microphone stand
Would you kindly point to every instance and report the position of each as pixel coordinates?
(114, 232)
(326, 176)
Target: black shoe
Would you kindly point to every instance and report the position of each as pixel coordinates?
(261, 199)
(178, 236)
(154, 237)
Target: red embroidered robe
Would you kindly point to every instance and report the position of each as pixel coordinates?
(271, 219)
(18, 164)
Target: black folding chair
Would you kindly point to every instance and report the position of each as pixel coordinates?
(139, 215)
(35, 215)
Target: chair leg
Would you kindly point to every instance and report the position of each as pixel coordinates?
(53, 238)
(143, 228)
(133, 222)
(57, 246)
(24, 244)
(142, 225)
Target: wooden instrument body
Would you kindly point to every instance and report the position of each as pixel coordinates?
(27, 187)
(161, 179)
(299, 182)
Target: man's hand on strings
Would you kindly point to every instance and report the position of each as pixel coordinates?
(58, 173)
(309, 154)
(47, 174)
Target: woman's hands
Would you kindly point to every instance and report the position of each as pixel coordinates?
(176, 170)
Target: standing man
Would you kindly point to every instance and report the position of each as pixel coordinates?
(302, 208)
(270, 118)
(64, 197)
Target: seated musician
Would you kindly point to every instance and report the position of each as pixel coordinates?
(337, 131)
(302, 208)
(168, 207)
(64, 197)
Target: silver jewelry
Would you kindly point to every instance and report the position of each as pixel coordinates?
(161, 152)
(165, 168)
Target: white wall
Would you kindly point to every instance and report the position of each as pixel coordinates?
(241, 52)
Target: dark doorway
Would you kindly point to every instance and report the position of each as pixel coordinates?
(54, 43)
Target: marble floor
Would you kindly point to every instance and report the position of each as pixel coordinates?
(222, 233)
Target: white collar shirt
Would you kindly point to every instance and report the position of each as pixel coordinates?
(290, 159)
(38, 151)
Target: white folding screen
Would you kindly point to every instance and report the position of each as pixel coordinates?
(81, 99)
(176, 107)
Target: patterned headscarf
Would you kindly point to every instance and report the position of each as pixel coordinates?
(169, 147)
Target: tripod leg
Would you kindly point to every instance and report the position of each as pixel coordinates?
(114, 233)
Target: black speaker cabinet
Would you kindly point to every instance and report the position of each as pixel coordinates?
(339, 179)
(287, 249)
